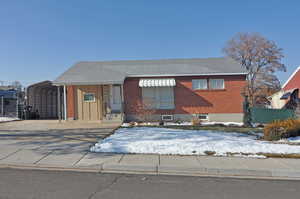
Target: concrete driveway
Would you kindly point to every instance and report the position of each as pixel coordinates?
(49, 142)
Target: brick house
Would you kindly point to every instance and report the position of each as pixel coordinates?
(289, 96)
(174, 89)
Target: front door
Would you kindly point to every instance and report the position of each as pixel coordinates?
(115, 98)
(89, 102)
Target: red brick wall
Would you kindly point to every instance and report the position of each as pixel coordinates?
(70, 102)
(188, 101)
(294, 82)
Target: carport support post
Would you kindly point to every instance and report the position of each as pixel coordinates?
(65, 102)
(58, 104)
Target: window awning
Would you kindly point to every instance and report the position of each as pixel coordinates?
(157, 82)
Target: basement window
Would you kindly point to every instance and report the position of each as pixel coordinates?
(203, 116)
(89, 97)
(167, 117)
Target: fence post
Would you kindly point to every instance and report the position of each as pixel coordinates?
(2, 105)
(17, 108)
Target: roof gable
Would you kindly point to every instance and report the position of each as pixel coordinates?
(293, 81)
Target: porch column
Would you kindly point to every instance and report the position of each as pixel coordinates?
(122, 102)
(65, 103)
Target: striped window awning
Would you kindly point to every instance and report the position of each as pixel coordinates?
(157, 82)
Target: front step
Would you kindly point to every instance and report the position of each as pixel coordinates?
(113, 117)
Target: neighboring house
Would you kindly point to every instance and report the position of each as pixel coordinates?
(275, 100)
(175, 89)
(289, 92)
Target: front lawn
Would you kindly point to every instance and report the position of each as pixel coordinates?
(155, 140)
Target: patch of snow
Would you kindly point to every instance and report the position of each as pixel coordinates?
(126, 125)
(184, 124)
(187, 142)
(222, 123)
(178, 124)
(291, 139)
(8, 119)
(294, 139)
(250, 156)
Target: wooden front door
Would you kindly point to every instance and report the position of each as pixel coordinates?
(89, 103)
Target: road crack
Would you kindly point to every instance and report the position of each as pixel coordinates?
(101, 189)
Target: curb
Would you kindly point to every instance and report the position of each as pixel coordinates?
(168, 170)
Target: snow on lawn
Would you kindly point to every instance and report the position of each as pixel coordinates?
(291, 139)
(186, 142)
(7, 119)
(186, 124)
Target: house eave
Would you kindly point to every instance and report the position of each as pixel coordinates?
(58, 83)
(86, 83)
(186, 75)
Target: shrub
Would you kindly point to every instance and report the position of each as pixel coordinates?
(196, 121)
(178, 121)
(282, 129)
(210, 152)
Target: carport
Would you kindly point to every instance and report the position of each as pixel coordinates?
(43, 99)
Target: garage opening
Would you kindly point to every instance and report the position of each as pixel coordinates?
(42, 101)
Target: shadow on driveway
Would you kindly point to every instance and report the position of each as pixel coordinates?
(63, 140)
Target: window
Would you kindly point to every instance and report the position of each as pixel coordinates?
(116, 94)
(203, 116)
(158, 97)
(216, 84)
(199, 84)
(89, 97)
(166, 117)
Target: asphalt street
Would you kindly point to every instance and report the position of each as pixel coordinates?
(25, 184)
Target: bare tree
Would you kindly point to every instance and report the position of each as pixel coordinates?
(17, 85)
(260, 57)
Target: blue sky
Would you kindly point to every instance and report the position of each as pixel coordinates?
(41, 39)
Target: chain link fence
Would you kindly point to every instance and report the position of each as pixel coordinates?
(10, 104)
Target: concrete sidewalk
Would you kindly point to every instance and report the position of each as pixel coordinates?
(151, 164)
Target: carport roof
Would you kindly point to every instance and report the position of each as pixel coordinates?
(115, 72)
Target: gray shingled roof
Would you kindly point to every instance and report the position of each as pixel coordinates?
(115, 72)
